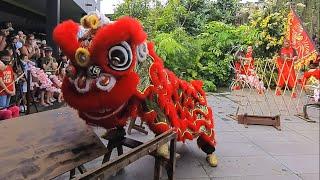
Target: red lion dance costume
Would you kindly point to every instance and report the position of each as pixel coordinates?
(115, 75)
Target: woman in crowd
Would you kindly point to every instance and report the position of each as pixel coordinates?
(30, 49)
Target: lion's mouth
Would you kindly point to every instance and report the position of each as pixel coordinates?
(103, 113)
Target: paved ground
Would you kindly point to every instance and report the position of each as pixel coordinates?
(256, 152)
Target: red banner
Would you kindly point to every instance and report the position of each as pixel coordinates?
(300, 40)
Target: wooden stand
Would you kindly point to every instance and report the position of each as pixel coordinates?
(53, 143)
(305, 116)
(139, 128)
(259, 120)
(117, 139)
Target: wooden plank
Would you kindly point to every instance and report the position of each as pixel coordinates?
(171, 168)
(46, 144)
(302, 116)
(120, 162)
(260, 120)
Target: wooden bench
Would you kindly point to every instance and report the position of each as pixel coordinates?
(45, 145)
(48, 144)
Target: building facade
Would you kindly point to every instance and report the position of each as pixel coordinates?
(89, 5)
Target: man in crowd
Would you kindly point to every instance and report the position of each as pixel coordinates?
(4, 33)
(30, 48)
(48, 62)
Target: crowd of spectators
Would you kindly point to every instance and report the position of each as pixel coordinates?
(20, 53)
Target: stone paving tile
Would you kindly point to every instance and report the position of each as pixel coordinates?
(223, 127)
(310, 176)
(256, 128)
(301, 163)
(239, 149)
(188, 165)
(303, 126)
(265, 177)
(247, 166)
(314, 136)
(291, 119)
(193, 179)
(275, 136)
(141, 169)
(229, 137)
(189, 169)
(256, 152)
(289, 148)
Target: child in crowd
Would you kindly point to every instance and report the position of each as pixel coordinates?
(64, 61)
(50, 66)
(7, 85)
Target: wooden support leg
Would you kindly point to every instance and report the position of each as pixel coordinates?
(277, 123)
(172, 161)
(139, 128)
(157, 168)
(305, 115)
(132, 123)
(72, 173)
(82, 169)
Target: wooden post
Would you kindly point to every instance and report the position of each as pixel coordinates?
(72, 174)
(139, 128)
(157, 168)
(172, 161)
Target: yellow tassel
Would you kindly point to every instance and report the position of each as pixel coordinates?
(82, 57)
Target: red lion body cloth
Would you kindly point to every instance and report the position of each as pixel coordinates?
(115, 75)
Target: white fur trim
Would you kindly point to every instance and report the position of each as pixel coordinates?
(85, 89)
(112, 82)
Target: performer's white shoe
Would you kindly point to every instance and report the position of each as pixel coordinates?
(212, 160)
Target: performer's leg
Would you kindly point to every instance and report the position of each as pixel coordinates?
(207, 144)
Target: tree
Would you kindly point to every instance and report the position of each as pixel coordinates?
(135, 8)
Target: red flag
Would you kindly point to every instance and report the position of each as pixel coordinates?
(300, 40)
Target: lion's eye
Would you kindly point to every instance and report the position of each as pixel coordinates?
(120, 57)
